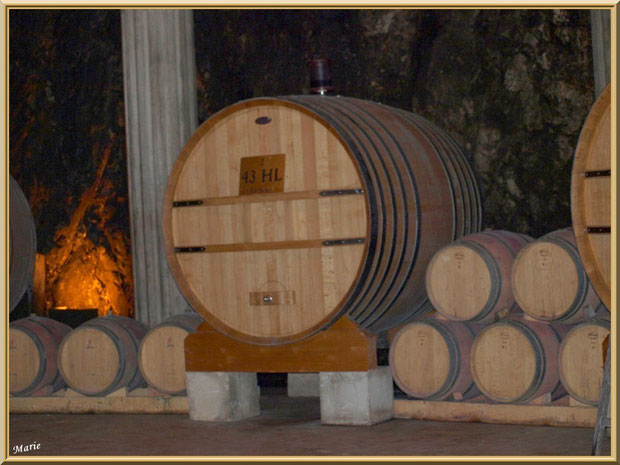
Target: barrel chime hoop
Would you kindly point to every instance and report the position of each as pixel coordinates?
(464, 173)
(435, 143)
(357, 297)
(372, 314)
(364, 161)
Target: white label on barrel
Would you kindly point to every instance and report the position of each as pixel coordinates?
(260, 175)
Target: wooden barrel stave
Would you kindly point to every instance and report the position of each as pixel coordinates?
(553, 286)
(516, 360)
(101, 355)
(413, 351)
(44, 335)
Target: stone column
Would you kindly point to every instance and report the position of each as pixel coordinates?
(161, 115)
(601, 48)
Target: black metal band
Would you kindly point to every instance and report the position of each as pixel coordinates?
(187, 203)
(598, 229)
(189, 249)
(596, 173)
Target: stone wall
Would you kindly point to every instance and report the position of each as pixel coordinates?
(513, 87)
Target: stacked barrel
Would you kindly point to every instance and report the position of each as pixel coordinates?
(551, 285)
(99, 357)
(516, 319)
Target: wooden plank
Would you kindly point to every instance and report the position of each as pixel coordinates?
(342, 347)
(547, 415)
(85, 404)
(274, 245)
(270, 197)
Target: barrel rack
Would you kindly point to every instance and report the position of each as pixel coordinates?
(341, 347)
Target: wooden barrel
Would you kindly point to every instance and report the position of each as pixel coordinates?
(591, 196)
(581, 360)
(162, 355)
(549, 282)
(33, 350)
(516, 360)
(101, 355)
(283, 214)
(429, 359)
(22, 244)
(469, 279)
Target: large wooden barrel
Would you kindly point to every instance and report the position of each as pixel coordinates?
(22, 244)
(591, 195)
(549, 282)
(33, 350)
(469, 279)
(581, 360)
(101, 355)
(283, 214)
(516, 360)
(162, 353)
(429, 359)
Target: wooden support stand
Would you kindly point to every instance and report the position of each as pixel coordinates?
(341, 347)
(219, 370)
(69, 401)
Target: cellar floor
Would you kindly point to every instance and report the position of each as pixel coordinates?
(286, 426)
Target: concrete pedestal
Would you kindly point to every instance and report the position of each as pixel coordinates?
(361, 398)
(222, 396)
(303, 385)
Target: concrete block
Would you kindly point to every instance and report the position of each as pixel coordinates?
(303, 385)
(360, 398)
(217, 396)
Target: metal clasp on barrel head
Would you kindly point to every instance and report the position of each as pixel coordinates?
(356, 240)
(188, 249)
(187, 203)
(341, 192)
(596, 173)
(598, 229)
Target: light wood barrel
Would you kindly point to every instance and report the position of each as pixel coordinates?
(591, 196)
(549, 282)
(162, 355)
(33, 350)
(283, 214)
(581, 360)
(515, 360)
(429, 359)
(22, 244)
(469, 279)
(101, 355)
